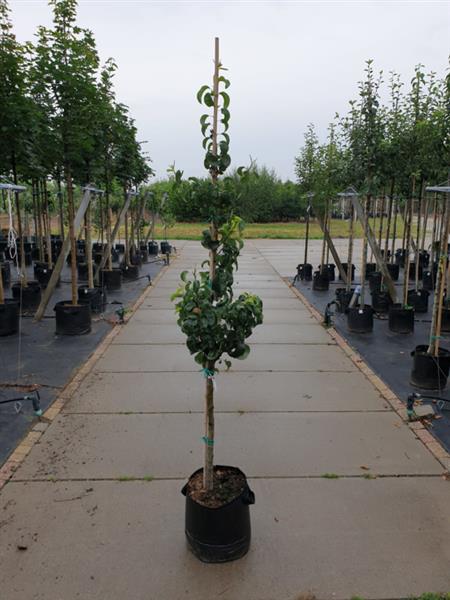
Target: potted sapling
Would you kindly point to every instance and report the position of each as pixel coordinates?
(216, 325)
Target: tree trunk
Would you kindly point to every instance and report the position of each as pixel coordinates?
(73, 245)
(350, 249)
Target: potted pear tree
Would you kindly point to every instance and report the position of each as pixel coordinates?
(217, 325)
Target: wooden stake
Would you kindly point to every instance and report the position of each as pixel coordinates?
(208, 471)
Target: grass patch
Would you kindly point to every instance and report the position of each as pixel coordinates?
(132, 478)
(330, 476)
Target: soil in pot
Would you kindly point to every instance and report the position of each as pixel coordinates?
(360, 320)
(96, 297)
(419, 300)
(217, 523)
(381, 301)
(72, 320)
(401, 320)
(321, 282)
(111, 280)
(430, 372)
(28, 297)
(375, 281)
(9, 317)
(343, 297)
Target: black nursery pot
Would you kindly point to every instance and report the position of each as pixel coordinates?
(82, 270)
(304, 272)
(430, 372)
(114, 255)
(394, 271)
(98, 257)
(43, 275)
(445, 322)
(343, 298)
(381, 301)
(375, 281)
(6, 273)
(344, 266)
(370, 268)
(166, 248)
(401, 320)
(321, 282)
(360, 320)
(120, 248)
(424, 259)
(136, 259)
(419, 300)
(111, 280)
(96, 297)
(144, 254)
(331, 271)
(130, 271)
(28, 297)
(220, 534)
(28, 258)
(400, 256)
(412, 270)
(153, 248)
(9, 317)
(72, 320)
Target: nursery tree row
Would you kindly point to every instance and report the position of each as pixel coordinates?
(60, 121)
(382, 149)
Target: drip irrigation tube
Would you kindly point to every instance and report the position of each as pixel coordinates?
(35, 399)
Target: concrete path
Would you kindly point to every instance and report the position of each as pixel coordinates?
(348, 501)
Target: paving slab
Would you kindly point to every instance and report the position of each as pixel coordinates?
(126, 540)
(303, 445)
(256, 392)
(263, 357)
(137, 333)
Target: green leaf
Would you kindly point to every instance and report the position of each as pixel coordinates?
(225, 81)
(201, 91)
(208, 100)
(203, 119)
(226, 100)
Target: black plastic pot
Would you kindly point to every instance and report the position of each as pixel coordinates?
(388, 254)
(72, 320)
(82, 270)
(331, 271)
(144, 254)
(220, 534)
(80, 258)
(166, 248)
(344, 266)
(401, 320)
(412, 270)
(114, 255)
(120, 248)
(375, 281)
(111, 280)
(430, 372)
(400, 256)
(43, 275)
(445, 322)
(343, 298)
(96, 297)
(98, 257)
(304, 272)
(28, 297)
(419, 300)
(394, 270)
(28, 258)
(153, 248)
(130, 271)
(136, 259)
(35, 254)
(381, 301)
(424, 259)
(370, 268)
(321, 282)
(6, 273)
(9, 317)
(360, 320)
(97, 247)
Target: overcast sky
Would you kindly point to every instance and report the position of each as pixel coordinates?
(290, 63)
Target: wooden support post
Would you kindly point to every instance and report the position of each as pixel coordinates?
(62, 257)
(333, 251)
(359, 210)
(117, 225)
